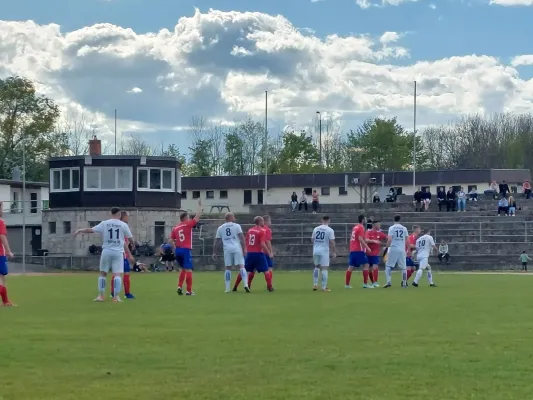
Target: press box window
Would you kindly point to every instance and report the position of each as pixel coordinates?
(223, 194)
(324, 191)
(210, 194)
(342, 191)
(196, 194)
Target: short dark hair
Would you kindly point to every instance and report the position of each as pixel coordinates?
(361, 218)
(325, 218)
(183, 216)
(266, 217)
(397, 218)
(115, 210)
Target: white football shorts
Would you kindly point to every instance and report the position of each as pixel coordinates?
(233, 258)
(321, 259)
(112, 261)
(396, 256)
(424, 263)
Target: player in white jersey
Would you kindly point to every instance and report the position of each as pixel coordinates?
(323, 239)
(424, 245)
(113, 232)
(234, 246)
(397, 242)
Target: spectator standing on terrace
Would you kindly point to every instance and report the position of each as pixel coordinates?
(524, 258)
(376, 199)
(314, 201)
(526, 188)
(504, 189)
(303, 201)
(472, 195)
(441, 198)
(461, 200)
(512, 206)
(450, 200)
(294, 201)
(417, 200)
(503, 206)
(443, 253)
(426, 198)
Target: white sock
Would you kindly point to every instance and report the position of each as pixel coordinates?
(227, 278)
(244, 276)
(117, 281)
(324, 279)
(418, 275)
(388, 273)
(101, 285)
(430, 277)
(316, 272)
(404, 277)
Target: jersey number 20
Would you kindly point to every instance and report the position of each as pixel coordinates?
(320, 235)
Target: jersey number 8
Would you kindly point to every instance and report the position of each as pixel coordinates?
(228, 232)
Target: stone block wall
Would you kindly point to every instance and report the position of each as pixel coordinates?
(142, 223)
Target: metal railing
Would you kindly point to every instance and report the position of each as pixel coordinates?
(519, 230)
(31, 206)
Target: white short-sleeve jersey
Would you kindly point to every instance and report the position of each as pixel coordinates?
(229, 234)
(113, 232)
(398, 233)
(424, 244)
(322, 234)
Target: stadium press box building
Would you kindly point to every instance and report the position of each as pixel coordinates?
(83, 189)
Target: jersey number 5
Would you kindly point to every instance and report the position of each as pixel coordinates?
(181, 236)
(251, 240)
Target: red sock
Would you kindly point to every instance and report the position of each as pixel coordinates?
(181, 278)
(365, 276)
(250, 279)
(127, 283)
(371, 276)
(237, 281)
(409, 273)
(3, 294)
(188, 280)
(271, 274)
(375, 274)
(348, 277)
(112, 286)
(268, 279)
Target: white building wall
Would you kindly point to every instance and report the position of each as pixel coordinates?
(279, 196)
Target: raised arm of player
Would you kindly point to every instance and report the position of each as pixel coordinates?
(199, 211)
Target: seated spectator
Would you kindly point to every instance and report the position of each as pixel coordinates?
(376, 199)
(461, 200)
(472, 195)
(392, 196)
(315, 203)
(303, 201)
(512, 206)
(504, 189)
(526, 188)
(443, 253)
(503, 206)
(426, 198)
(294, 201)
(417, 200)
(441, 198)
(450, 200)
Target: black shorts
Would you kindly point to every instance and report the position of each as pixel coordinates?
(168, 257)
(524, 264)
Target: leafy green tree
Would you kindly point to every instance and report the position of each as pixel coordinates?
(234, 162)
(298, 154)
(201, 161)
(27, 119)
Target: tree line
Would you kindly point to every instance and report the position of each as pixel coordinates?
(246, 148)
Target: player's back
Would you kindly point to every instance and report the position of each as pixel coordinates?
(182, 234)
(357, 232)
(229, 234)
(254, 237)
(114, 234)
(424, 245)
(398, 234)
(322, 235)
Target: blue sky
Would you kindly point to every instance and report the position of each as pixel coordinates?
(153, 77)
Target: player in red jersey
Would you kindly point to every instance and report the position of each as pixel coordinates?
(268, 239)
(409, 262)
(181, 240)
(357, 257)
(5, 252)
(257, 250)
(374, 238)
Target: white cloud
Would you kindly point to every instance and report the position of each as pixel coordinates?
(382, 3)
(135, 90)
(522, 60)
(510, 3)
(219, 64)
(432, 6)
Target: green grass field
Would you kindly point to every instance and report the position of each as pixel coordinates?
(470, 338)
